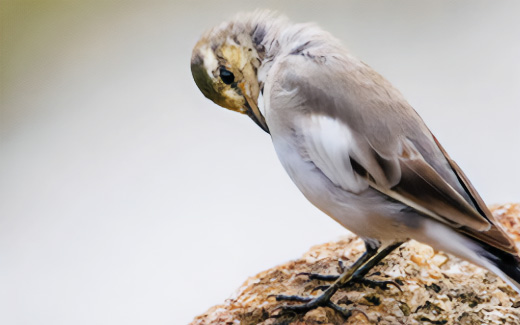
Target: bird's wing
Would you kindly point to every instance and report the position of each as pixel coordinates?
(360, 132)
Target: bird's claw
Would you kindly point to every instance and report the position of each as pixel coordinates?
(384, 285)
(317, 276)
(292, 298)
(379, 284)
(323, 288)
(286, 309)
(310, 304)
(346, 312)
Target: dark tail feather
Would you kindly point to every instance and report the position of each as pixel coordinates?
(507, 263)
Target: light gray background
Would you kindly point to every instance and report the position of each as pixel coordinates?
(126, 197)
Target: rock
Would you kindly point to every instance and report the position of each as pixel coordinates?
(437, 288)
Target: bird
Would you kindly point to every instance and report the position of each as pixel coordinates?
(351, 143)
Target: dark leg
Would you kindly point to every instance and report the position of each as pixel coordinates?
(324, 298)
(361, 272)
(359, 269)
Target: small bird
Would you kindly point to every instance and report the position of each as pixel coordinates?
(351, 143)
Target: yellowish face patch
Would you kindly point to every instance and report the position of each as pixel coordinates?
(235, 56)
(207, 64)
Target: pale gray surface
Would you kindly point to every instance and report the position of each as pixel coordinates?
(128, 198)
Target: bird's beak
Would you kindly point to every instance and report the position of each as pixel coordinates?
(252, 110)
(254, 113)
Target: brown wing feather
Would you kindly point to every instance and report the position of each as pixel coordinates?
(421, 184)
(423, 187)
(495, 236)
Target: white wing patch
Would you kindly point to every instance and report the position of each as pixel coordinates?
(327, 143)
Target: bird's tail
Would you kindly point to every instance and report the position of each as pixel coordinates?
(504, 264)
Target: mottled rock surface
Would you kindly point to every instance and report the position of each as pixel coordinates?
(436, 288)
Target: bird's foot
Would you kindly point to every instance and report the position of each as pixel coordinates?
(311, 303)
(356, 271)
(384, 285)
(323, 300)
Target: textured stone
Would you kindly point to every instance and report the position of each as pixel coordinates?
(437, 288)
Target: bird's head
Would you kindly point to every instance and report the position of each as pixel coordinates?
(224, 66)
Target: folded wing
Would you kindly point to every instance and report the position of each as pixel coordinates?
(360, 132)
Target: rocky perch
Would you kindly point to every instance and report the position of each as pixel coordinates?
(436, 288)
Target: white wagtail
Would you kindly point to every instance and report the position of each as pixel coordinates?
(351, 143)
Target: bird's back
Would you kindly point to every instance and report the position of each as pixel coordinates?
(320, 78)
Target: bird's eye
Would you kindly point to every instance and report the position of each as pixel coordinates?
(227, 76)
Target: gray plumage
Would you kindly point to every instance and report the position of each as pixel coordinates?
(352, 143)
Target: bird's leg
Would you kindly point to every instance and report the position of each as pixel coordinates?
(362, 271)
(357, 271)
(324, 298)
(358, 276)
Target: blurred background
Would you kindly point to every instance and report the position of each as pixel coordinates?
(126, 197)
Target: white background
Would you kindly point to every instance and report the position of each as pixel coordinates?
(126, 197)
